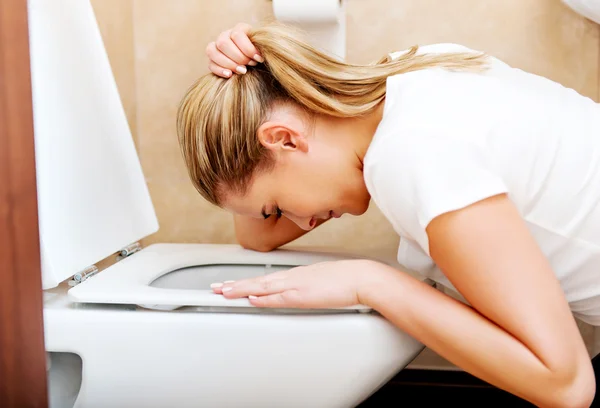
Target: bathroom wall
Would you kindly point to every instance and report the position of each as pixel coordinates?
(115, 18)
(156, 55)
(156, 48)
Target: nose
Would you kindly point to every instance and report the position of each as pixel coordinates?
(306, 223)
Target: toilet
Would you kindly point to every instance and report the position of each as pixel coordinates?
(147, 331)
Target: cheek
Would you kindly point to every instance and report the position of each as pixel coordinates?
(298, 196)
(329, 181)
(315, 184)
(301, 198)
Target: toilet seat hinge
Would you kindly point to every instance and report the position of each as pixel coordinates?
(83, 275)
(129, 250)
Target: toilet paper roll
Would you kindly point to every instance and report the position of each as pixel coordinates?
(324, 21)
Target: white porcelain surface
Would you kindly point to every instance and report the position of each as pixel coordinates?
(186, 347)
(129, 281)
(219, 356)
(92, 196)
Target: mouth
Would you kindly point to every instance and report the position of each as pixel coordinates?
(331, 214)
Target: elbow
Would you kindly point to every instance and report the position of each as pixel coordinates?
(255, 245)
(259, 248)
(578, 391)
(578, 397)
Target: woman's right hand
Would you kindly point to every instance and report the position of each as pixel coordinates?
(232, 51)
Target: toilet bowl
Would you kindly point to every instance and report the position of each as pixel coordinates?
(147, 331)
(208, 351)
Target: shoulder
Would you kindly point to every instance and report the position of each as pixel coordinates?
(414, 174)
(458, 104)
(441, 81)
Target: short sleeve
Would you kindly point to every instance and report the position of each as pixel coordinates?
(417, 175)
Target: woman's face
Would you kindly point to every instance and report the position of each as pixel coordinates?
(317, 172)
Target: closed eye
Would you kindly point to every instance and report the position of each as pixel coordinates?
(278, 213)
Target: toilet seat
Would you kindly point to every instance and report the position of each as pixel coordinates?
(93, 198)
(128, 281)
(94, 202)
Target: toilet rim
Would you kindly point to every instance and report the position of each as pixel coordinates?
(128, 281)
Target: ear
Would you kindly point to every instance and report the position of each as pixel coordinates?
(279, 136)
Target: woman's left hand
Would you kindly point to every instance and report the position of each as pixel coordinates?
(323, 285)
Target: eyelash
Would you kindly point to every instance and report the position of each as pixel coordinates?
(278, 213)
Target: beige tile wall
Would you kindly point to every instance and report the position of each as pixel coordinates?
(156, 48)
(115, 19)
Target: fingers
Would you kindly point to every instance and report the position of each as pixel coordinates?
(232, 51)
(239, 36)
(220, 64)
(285, 299)
(261, 286)
(218, 287)
(275, 300)
(220, 71)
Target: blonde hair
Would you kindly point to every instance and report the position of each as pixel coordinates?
(218, 118)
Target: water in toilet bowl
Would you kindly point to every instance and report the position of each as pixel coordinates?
(202, 276)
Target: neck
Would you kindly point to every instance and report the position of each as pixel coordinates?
(362, 130)
(353, 133)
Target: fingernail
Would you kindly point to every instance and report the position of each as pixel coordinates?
(241, 69)
(252, 297)
(216, 285)
(258, 58)
(227, 289)
(228, 281)
(227, 73)
(252, 63)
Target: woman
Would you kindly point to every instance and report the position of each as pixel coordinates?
(490, 175)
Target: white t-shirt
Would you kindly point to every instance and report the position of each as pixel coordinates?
(450, 139)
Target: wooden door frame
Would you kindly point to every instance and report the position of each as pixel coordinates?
(22, 354)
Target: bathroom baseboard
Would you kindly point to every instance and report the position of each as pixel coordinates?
(431, 386)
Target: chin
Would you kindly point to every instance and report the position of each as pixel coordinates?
(362, 208)
(357, 201)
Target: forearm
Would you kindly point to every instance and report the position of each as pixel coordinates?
(464, 337)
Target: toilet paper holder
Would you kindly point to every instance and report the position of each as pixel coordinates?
(324, 22)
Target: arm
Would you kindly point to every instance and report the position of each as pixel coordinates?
(266, 235)
(520, 334)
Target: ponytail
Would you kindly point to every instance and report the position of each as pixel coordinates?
(325, 85)
(218, 118)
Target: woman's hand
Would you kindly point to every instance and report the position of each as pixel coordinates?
(324, 285)
(232, 51)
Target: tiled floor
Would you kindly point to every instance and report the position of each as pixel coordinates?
(424, 388)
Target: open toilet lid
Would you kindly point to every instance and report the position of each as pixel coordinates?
(92, 196)
(128, 281)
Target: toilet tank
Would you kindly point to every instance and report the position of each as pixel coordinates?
(92, 195)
